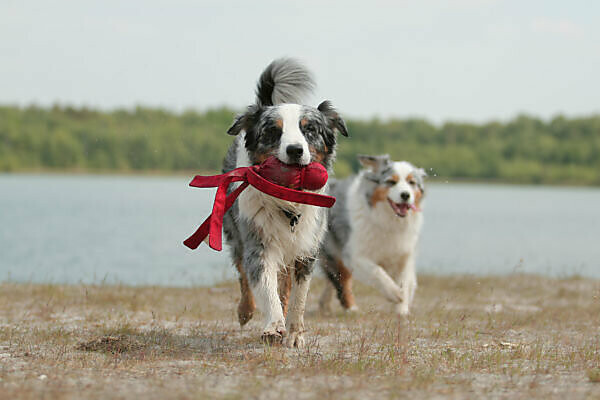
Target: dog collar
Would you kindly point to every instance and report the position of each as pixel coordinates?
(293, 217)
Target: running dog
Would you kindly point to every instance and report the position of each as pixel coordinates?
(274, 241)
(373, 232)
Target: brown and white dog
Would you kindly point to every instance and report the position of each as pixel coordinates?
(373, 232)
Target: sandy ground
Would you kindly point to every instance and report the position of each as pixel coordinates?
(468, 337)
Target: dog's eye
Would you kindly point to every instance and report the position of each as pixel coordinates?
(412, 182)
(274, 131)
(309, 128)
(390, 182)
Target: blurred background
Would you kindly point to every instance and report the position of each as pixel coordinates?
(107, 109)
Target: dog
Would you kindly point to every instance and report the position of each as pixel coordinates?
(275, 243)
(373, 232)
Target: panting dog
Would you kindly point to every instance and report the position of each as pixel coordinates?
(274, 243)
(373, 232)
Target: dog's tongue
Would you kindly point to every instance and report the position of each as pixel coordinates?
(401, 209)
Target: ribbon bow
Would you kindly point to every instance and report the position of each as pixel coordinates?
(213, 225)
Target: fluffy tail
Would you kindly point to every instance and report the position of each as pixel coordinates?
(285, 80)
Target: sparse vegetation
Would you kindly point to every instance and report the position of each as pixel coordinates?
(514, 337)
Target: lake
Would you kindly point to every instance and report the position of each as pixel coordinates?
(129, 229)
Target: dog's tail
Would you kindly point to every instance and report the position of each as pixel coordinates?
(285, 80)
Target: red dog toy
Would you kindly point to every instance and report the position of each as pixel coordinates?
(271, 177)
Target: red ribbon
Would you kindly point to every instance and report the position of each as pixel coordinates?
(213, 225)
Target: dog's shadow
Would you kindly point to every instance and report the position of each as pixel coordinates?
(163, 343)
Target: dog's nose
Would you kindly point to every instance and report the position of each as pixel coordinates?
(405, 196)
(294, 151)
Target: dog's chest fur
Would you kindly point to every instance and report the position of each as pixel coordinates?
(265, 214)
(377, 233)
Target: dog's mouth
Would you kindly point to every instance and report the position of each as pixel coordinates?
(284, 162)
(291, 163)
(401, 209)
(294, 163)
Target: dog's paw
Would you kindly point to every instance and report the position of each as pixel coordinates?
(295, 337)
(392, 293)
(353, 309)
(273, 333)
(272, 338)
(244, 315)
(294, 340)
(401, 310)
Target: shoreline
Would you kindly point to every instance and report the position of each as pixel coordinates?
(190, 174)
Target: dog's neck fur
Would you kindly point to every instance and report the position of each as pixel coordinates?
(265, 213)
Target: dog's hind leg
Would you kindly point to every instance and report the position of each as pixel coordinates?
(341, 279)
(247, 306)
(325, 299)
(330, 271)
(300, 285)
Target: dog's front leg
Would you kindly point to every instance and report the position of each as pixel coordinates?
(295, 319)
(408, 283)
(372, 274)
(262, 276)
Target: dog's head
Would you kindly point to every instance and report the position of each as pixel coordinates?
(295, 134)
(399, 184)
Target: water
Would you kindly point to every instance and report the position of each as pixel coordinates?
(120, 229)
(499, 229)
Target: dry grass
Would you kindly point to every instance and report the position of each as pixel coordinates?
(510, 337)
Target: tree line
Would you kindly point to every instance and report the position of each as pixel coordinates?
(522, 150)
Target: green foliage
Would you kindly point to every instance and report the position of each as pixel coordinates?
(524, 150)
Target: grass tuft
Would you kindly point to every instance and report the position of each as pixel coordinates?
(594, 375)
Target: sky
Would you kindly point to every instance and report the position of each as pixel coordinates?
(461, 60)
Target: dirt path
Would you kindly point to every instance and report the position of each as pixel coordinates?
(512, 337)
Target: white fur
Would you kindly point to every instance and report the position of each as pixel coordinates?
(267, 299)
(382, 246)
(290, 115)
(403, 169)
(295, 319)
(281, 248)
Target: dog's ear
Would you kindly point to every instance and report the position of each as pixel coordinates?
(333, 118)
(238, 125)
(420, 176)
(374, 163)
(243, 121)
